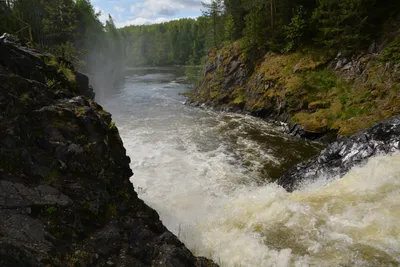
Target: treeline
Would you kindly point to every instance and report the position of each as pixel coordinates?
(264, 25)
(67, 28)
(285, 25)
(177, 42)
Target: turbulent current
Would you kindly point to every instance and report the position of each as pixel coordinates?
(210, 176)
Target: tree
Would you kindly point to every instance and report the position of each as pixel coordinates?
(296, 29)
(235, 12)
(59, 23)
(214, 11)
(342, 24)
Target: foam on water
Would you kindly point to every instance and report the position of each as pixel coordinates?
(188, 166)
(353, 221)
(218, 210)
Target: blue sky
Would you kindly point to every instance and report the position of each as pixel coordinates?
(139, 12)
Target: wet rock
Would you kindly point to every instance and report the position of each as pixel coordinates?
(14, 195)
(65, 194)
(337, 158)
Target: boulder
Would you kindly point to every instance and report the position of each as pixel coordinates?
(340, 156)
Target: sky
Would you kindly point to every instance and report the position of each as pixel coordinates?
(145, 12)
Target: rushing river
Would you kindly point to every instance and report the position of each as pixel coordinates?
(210, 177)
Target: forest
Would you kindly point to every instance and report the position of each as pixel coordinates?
(267, 25)
(72, 29)
(69, 29)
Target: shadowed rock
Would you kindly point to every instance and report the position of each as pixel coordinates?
(65, 195)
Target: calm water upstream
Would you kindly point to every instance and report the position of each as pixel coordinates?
(209, 176)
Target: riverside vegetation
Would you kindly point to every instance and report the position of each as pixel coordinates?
(68, 29)
(324, 67)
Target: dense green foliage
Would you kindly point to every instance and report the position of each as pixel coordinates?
(261, 26)
(176, 42)
(67, 28)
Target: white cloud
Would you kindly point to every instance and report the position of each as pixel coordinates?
(103, 16)
(119, 9)
(162, 20)
(162, 7)
(141, 21)
(145, 14)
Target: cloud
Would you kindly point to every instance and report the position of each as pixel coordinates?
(142, 21)
(145, 14)
(162, 20)
(103, 16)
(163, 7)
(119, 9)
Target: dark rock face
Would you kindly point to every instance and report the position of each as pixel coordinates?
(30, 64)
(340, 156)
(224, 71)
(65, 195)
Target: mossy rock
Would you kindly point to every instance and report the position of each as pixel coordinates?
(318, 105)
(311, 122)
(308, 63)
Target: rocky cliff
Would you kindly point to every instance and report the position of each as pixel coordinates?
(65, 195)
(319, 94)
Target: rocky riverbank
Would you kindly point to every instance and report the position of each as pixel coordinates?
(340, 156)
(319, 94)
(65, 195)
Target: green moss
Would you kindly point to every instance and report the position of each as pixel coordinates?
(88, 147)
(68, 73)
(312, 122)
(112, 126)
(25, 97)
(79, 258)
(50, 60)
(80, 111)
(57, 123)
(239, 100)
(318, 105)
(62, 68)
(51, 82)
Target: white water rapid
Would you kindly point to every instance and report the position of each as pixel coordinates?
(203, 172)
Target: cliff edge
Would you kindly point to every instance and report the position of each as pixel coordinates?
(65, 195)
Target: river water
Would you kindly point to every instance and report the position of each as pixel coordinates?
(210, 177)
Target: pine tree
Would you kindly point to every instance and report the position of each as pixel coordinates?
(214, 11)
(59, 24)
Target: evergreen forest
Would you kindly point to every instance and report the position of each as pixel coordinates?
(72, 29)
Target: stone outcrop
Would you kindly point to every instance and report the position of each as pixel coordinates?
(44, 68)
(337, 158)
(319, 95)
(65, 195)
